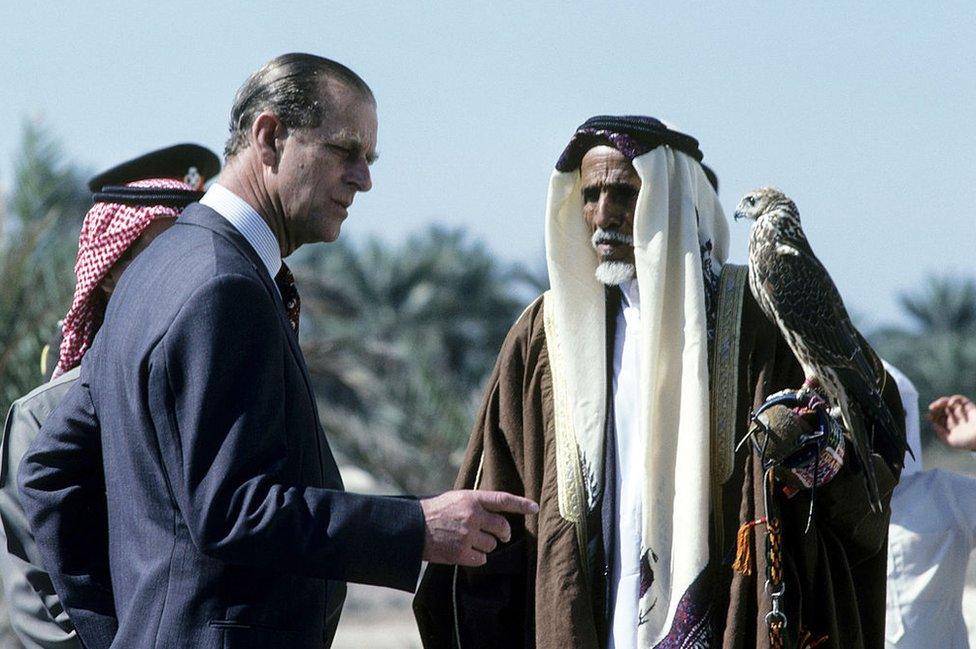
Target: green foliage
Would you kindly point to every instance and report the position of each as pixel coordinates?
(399, 342)
(938, 350)
(47, 202)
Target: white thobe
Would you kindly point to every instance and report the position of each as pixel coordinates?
(932, 532)
(629, 485)
(930, 537)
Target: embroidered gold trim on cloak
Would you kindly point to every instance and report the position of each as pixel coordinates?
(724, 388)
(571, 487)
(725, 370)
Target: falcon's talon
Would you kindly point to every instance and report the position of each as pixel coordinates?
(816, 403)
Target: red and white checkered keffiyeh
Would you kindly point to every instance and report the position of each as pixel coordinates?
(108, 231)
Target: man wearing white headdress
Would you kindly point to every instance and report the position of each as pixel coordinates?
(616, 403)
(930, 539)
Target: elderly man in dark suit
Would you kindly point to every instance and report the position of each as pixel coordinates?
(226, 514)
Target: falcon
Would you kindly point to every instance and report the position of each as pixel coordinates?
(795, 291)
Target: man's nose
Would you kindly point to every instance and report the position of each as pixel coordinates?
(608, 213)
(358, 175)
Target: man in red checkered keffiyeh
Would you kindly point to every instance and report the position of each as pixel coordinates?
(133, 202)
(109, 232)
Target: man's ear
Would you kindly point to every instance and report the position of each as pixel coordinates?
(266, 131)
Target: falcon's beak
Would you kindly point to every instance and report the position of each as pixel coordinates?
(738, 216)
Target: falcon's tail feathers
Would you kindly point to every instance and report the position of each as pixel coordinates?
(887, 438)
(858, 435)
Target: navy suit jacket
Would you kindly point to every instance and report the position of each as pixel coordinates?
(225, 510)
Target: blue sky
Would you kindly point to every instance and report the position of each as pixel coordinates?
(863, 112)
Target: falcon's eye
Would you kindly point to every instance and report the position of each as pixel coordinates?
(751, 200)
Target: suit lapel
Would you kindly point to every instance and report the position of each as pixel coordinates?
(205, 217)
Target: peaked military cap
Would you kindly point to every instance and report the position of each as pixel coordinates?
(189, 163)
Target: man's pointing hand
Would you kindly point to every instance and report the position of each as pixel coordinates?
(464, 526)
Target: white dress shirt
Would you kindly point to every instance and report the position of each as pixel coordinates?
(930, 536)
(932, 532)
(629, 486)
(248, 222)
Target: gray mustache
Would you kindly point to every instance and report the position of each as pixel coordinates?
(610, 236)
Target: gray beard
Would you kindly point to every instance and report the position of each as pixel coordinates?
(615, 273)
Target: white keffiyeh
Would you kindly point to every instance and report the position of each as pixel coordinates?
(678, 219)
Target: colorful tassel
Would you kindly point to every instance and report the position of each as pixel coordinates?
(743, 547)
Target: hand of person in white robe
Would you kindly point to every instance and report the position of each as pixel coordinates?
(954, 421)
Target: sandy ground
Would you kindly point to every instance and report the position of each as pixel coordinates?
(376, 618)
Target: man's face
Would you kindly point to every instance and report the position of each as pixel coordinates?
(610, 185)
(322, 168)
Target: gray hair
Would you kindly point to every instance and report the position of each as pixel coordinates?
(293, 87)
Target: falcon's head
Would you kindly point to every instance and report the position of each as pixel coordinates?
(759, 202)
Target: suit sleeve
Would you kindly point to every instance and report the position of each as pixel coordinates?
(35, 612)
(63, 492)
(216, 393)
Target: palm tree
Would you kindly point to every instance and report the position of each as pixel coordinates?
(937, 351)
(399, 341)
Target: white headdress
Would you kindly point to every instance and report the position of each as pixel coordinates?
(680, 237)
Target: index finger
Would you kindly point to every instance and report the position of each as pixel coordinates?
(938, 404)
(506, 503)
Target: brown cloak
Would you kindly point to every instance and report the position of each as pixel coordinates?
(534, 592)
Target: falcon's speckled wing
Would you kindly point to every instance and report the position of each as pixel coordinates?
(796, 292)
(805, 300)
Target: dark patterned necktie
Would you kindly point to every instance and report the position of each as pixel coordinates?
(289, 295)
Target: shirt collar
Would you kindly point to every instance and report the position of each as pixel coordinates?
(248, 222)
(631, 296)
